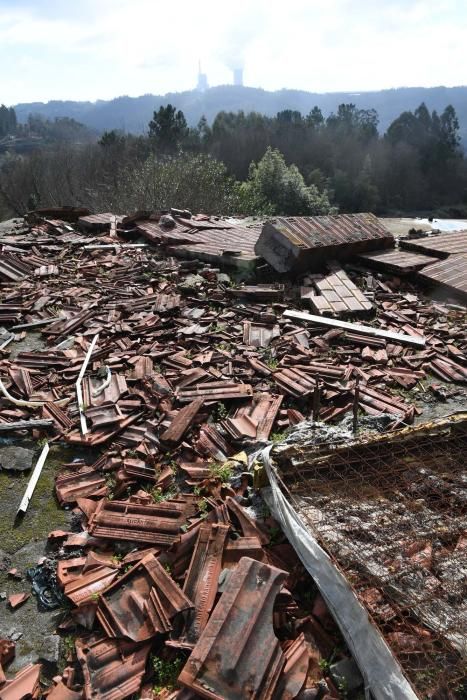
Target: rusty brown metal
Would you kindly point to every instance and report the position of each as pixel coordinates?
(238, 656)
(295, 382)
(112, 669)
(142, 602)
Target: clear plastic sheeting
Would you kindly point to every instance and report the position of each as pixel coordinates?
(382, 674)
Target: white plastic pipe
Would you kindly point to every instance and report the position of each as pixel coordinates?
(79, 393)
(23, 506)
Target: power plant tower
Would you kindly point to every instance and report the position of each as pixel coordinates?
(202, 84)
(238, 76)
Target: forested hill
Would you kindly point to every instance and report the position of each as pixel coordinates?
(132, 114)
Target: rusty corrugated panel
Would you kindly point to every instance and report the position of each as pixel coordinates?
(202, 579)
(60, 418)
(142, 602)
(238, 655)
(157, 524)
(305, 242)
(182, 422)
(22, 379)
(41, 360)
(215, 391)
(112, 669)
(399, 261)
(451, 274)
(441, 245)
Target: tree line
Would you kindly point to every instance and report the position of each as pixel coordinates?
(253, 164)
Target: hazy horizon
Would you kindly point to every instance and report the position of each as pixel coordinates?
(102, 49)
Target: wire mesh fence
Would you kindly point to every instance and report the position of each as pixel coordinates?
(391, 511)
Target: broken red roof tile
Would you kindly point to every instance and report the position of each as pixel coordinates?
(238, 654)
(202, 579)
(158, 524)
(182, 422)
(112, 669)
(17, 599)
(24, 685)
(142, 602)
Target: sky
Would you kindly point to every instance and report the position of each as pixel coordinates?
(100, 49)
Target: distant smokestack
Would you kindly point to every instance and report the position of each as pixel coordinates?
(238, 76)
(202, 84)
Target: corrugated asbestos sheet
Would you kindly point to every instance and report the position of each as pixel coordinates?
(450, 273)
(440, 245)
(399, 261)
(298, 242)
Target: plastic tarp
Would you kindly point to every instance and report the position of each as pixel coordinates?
(381, 672)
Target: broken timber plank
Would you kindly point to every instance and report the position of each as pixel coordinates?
(357, 327)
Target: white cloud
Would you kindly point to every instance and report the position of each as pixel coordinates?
(53, 49)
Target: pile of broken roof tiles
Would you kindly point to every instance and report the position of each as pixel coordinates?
(187, 371)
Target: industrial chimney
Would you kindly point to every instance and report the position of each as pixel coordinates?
(238, 76)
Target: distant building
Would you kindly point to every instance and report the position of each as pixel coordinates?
(202, 84)
(238, 76)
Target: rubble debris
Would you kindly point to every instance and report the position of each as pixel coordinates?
(184, 374)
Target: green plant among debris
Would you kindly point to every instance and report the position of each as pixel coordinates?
(221, 471)
(278, 436)
(203, 507)
(221, 411)
(69, 644)
(159, 496)
(110, 483)
(166, 673)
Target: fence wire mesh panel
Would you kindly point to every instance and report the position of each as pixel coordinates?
(391, 512)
